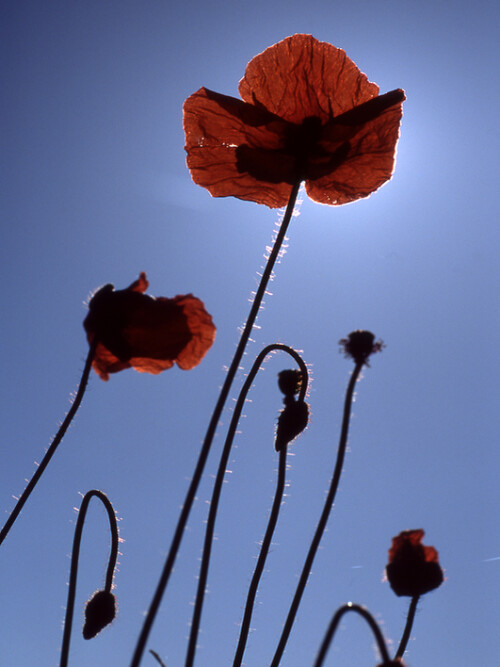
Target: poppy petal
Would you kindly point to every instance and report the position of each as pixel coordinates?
(222, 135)
(368, 163)
(137, 331)
(301, 77)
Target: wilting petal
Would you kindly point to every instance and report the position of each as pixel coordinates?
(223, 137)
(301, 77)
(138, 331)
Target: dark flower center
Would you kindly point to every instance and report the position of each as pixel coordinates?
(301, 141)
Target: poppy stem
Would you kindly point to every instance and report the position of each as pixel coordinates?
(259, 568)
(409, 624)
(362, 611)
(70, 605)
(207, 443)
(55, 443)
(214, 502)
(323, 518)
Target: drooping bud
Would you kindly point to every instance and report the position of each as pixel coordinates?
(290, 382)
(100, 611)
(291, 422)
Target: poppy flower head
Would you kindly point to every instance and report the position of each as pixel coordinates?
(413, 568)
(307, 113)
(359, 345)
(134, 330)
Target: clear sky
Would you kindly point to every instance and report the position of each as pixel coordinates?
(95, 189)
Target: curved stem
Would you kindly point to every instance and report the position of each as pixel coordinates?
(68, 622)
(333, 627)
(323, 519)
(55, 443)
(407, 631)
(204, 452)
(214, 502)
(259, 568)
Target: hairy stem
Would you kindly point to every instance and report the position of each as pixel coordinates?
(334, 625)
(409, 624)
(214, 503)
(323, 519)
(259, 568)
(205, 450)
(55, 443)
(70, 605)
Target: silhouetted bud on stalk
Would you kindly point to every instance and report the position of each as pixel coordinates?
(359, 345)
(291, 422)
(413, 568)
(100, 611)
(290, 382)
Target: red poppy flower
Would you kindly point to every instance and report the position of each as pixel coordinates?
(150, 334)
(308, 114)
(413, 568)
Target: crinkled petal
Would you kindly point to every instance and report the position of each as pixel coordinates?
(233, 149)
(367, 152)
(137, 331)
(301, 77)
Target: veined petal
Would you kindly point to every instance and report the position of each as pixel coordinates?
(234, 149)
(301, 77)
(370, 152)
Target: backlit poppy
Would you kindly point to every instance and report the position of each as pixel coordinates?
(150, 334)
(413, 568)
(307, 114)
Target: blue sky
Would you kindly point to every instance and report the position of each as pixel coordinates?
(95, 189)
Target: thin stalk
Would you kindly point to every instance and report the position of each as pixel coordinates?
(70, 605)
(219, 480)
(334, 625)
(205, 450)
(409, 624)
(55, 443)
(259, 568)
(323, 519)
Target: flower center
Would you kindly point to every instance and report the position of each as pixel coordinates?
(302, 141)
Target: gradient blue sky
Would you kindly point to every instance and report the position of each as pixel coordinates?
(95, 189)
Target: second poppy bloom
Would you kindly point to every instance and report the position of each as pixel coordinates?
(134, 330)
(413, 568)
(307, 114)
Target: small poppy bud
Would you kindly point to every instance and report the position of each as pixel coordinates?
(291, 422)
(290, 382)
(359, 345)
(100, 610)
(413, 568)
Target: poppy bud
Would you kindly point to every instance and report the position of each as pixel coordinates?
(100, 610)
(291, 422)
(359, 345)
(413, 568)
(290, 382)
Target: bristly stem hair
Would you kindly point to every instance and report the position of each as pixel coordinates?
(334, 625)
(214, 502)
(320, 529)
(409, 624)
(205, 450)
(53, 446)
(113, 527)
